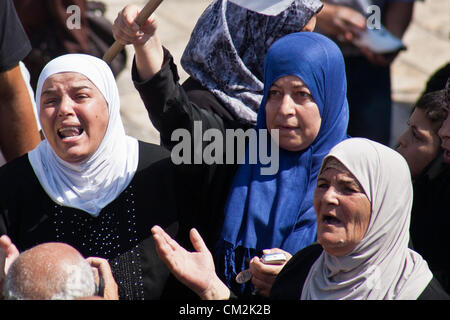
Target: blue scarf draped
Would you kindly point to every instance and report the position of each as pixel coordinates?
(268, 211)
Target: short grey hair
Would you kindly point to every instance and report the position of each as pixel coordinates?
(71, 281)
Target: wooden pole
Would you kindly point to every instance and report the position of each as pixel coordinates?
(146, 12)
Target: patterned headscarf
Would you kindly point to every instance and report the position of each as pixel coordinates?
(227, 48)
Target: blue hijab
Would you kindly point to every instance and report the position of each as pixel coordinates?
(263, 211)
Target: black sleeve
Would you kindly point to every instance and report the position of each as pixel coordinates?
(168, 106)
(19, 190)
(289, 282)
(205, 99)
(207, 184)
(434, 291)
(14, 43)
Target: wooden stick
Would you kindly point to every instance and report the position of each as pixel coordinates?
(146, 12)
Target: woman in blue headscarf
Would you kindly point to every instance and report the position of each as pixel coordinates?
(304, 89)
(242, 210)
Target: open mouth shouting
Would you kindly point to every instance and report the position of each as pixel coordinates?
(330, 219)
(70, 133)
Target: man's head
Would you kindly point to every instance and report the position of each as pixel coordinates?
(49, 271)
(420, 143)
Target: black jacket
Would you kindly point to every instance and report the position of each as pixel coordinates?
(430, 219)
(289, 282)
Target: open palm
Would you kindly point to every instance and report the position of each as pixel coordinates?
(194, 269)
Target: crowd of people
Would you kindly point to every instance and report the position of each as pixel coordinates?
(115, 218)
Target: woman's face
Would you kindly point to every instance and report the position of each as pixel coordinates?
(343, 210)
(74, 116)
(291, 109)
(419, 144)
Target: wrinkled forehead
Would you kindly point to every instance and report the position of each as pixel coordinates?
(292, 81)
(360, 158)
(68, 83)
(94, 69)
(333, 163)
(66, 80)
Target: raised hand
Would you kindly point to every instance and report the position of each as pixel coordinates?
(195, 269)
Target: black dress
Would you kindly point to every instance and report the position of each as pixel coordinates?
(430, 219)
(289, 283)
(121, 232)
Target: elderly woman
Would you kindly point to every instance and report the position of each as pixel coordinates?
(362, 202)
(243, 211)
(90, 185)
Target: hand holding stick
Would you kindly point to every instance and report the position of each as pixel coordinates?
(146, 12)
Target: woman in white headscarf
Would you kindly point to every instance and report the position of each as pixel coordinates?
(88, 184)
(363, 202)
(363, 205)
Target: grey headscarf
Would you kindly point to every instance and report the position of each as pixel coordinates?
(227, 48)
(381, 266)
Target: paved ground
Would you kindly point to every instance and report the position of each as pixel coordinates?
(427, 39)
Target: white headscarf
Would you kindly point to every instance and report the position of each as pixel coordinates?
(93, 184)
(381, 266)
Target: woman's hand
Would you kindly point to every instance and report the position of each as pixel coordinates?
(194, 269)
(263, 275)
(127, 31)
(147, 46)
(342, 22)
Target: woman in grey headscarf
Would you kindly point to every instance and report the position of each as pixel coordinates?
(366, 254)
(225, 54)
(363, 203)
